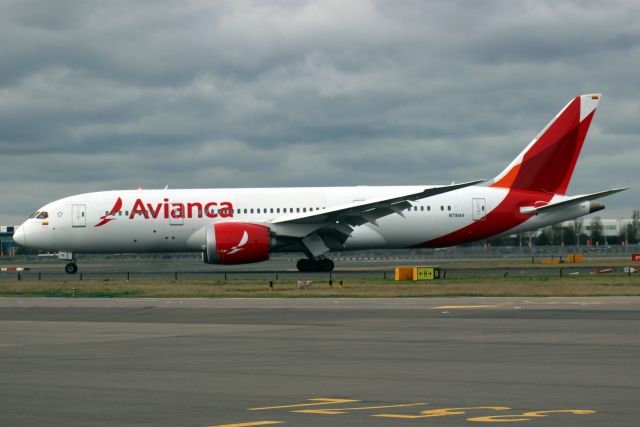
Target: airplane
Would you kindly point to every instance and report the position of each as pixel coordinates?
(237, 226)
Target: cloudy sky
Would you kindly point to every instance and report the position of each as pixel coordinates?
(111, 95)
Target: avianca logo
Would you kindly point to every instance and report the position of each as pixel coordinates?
(167, 209)
(237, 248)
(117, 207)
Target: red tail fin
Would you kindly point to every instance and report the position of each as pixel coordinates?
(548, 161)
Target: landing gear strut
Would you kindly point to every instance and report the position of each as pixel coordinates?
(71, 268)
(309, 265)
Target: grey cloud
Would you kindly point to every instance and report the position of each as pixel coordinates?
(98, 95)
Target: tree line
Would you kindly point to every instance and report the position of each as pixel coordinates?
(576, 234)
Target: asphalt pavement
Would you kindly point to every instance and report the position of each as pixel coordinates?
(318, 362)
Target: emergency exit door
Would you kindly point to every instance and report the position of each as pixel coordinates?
(78, 215)
(479, 209)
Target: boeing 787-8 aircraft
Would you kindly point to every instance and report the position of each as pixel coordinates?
(235, 226)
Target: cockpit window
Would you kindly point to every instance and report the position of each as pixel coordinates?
(33, 215)
(42, 215)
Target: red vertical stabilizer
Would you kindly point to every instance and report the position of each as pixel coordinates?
(546, 165)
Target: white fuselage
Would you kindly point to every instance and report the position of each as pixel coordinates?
(175, 220)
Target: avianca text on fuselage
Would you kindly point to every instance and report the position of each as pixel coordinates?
(176, 210)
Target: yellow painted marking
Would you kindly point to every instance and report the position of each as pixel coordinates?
(254, 423)
(514, 418)
(464, 306)
(442, 412)
(337, 411)
(319, 400)
(566, 411)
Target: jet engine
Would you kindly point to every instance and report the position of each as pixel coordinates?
(236, 243)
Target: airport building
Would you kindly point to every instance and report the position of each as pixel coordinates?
(607, 231)
(7, 246)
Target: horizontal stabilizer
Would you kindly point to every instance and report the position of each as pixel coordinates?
(568, 202)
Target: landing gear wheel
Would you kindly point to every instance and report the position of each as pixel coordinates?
(326, 264)
(71, 268)
(305, 265)
(308, 265)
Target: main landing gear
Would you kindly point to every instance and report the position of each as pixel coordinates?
(309, 265)
(71, 268)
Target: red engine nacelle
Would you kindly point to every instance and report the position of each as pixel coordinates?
(236, 243)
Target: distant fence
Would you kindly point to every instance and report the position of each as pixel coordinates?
(387, 274)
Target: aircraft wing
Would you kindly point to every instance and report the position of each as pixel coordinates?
(571, 201)
(344, 217)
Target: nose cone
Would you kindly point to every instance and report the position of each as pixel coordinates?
(18, 236)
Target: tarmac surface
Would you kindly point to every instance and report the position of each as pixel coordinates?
(318, 362)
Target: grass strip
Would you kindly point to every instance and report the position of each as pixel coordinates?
(512, 286)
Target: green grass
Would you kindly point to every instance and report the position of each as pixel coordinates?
(583, 285)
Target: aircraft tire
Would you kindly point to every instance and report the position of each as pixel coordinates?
(71, 268)
(307, 265)
(326, 264)
(304, 265)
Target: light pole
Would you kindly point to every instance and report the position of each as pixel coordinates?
(626, 235)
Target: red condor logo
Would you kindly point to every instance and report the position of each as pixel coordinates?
(110, 216)
(167, 209)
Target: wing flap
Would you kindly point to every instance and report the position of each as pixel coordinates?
(337, 223)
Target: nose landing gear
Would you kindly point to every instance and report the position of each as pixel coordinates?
(309, 265)
(71, 268)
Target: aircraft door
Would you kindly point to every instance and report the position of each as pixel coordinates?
(479, 208)
(78, 215)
